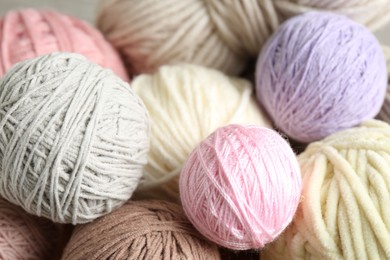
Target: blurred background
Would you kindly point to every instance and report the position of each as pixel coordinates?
(86, 9)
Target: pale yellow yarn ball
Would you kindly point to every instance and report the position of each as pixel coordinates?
(222, 34)
(186, 103)
(345, 210)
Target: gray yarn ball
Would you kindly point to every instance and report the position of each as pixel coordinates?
(73, 138)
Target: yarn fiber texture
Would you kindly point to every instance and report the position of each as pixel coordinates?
(186, 103)
(346, 189)
(241, 186)
(321, 73)
(23, 236)
(222, 34)
(140, 230)
(73, 138)
(28, 33)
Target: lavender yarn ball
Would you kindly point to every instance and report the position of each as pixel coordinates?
(321, 73)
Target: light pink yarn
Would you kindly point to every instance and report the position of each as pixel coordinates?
(23, 236)
(28, 33)
(241, 186)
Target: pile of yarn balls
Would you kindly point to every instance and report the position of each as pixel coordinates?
(173, 130)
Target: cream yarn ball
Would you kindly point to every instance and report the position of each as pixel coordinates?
(186, 103)
(344, 212)
(222, 34)
(73, 138)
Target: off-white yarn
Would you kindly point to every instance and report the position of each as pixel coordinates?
(186, 103)
(344, 213)
(384, 114)
(221, 34)
(73, 138)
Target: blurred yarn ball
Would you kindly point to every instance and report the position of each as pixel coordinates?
(28, 33)
(384, 114)
(73, 138)
(186, 103)
(241, 186)
(140, 230)
(221, 34)
(346, 190)
(321, 73)
(23, 236)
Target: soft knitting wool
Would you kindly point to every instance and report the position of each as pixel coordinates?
(384, 114)
(221, 34)
(241, 186)
(186, 103)
(140, 230)
(73, 138)
(29, 33)
(23, 236)
(345, 209)
(321, 73)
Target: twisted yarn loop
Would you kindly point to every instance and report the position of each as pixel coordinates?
(321, 73)
(186, 103)
(240, 187)
(140, 230)
(28, 33)
(23, 236)
(346, 190)
(222, 34)
(73, 138)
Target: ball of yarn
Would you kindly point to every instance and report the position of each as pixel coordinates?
(241, 186)
(186, 103)
(29, 33)
(321, 73)
(384, 114)
(140, 230)
(221, 34)
(345, 212)
(23, 236)
(73, 138)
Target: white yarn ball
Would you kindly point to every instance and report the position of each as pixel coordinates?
(186, 103)
(73, 138)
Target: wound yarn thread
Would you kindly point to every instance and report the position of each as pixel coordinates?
(321, 73)
(221, 34)
(73, 138)
(23, 236)
(240, 187)
(28, 33)
(344, 213)
(186, 103)
(140, 230)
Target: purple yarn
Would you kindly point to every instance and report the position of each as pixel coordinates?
(321, 73)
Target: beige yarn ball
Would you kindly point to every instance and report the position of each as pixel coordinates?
(384, 114)
(74, 138)
(344, 212)
(186, 103)
(222, 34)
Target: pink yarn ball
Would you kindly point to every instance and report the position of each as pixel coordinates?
(23, 236)
(28, 33)
(241, 186)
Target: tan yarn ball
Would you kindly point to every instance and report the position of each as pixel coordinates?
(344, 212)
(222, 34)
(186, 103)
(140, 230)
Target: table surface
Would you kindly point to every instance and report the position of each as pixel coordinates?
(86, 10)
